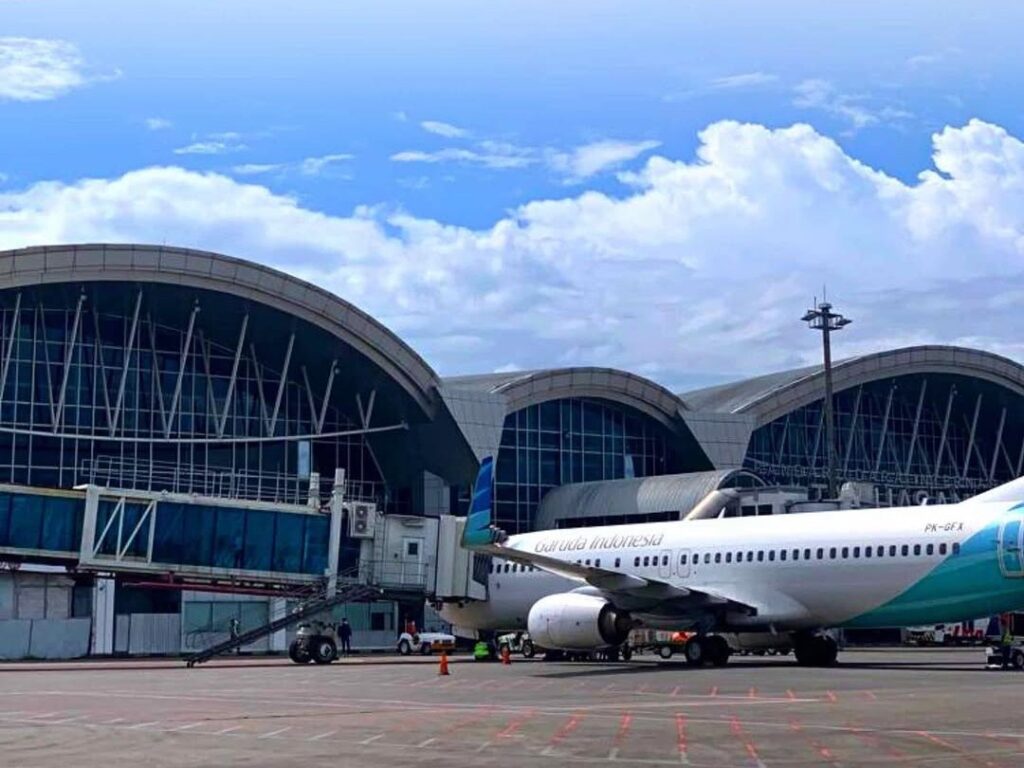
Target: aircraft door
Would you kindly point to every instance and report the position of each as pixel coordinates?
(1011, 538)
(665, 564)
(683, 562)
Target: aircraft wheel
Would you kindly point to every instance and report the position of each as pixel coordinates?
(298, 654)
(718, 650)
(695, 651)
(529, 651)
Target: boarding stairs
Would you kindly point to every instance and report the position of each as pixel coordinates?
(315, 602)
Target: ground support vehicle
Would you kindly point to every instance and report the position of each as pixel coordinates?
(314, 641)
(994, 656)
(517, 642)
(425, 643)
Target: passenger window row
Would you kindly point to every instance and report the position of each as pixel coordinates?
(821, 553)
(761, 555)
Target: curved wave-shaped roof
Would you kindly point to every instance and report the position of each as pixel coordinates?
(525, 388)
(771, 396)
(216, 272)
(635, 496)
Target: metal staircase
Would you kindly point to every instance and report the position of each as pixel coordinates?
(317, 603)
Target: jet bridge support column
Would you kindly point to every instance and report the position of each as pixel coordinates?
(337, 520)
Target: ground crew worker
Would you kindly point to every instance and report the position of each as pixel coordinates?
(345, 635)
(233, 631)
(1006, 644)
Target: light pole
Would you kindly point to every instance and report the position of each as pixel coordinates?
(823, 319)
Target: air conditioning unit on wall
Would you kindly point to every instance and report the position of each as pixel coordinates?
(362, 520)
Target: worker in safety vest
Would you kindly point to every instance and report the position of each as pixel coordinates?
(1006, 644)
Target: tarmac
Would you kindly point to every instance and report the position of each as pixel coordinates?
(914, 707)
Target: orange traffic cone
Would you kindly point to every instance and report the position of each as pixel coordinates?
(506, 656)
(443, 669)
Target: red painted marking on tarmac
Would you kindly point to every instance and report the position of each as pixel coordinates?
(624, 725)
(824, 752)
(874, 741)
(642, 688)
(466, 721)
(752, 693)
(790, 694)
(953, 747)
(870, 695)
(831, 696)
(714, 691)
(568, 727)
(513, 725)
(681, 735)
(748, 743)
(675, 691)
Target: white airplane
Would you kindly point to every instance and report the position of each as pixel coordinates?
(793, 576)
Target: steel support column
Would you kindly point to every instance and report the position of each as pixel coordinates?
(885, 427)
(186, 348)
(917, 424)
(15, 326)
(222, 421)
(72, 343)
(970, 439)
(945, 430)
(282, 385)
(853, 427)
(998, 444)
(127, 362)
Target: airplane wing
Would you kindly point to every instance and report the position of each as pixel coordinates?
(481, 536)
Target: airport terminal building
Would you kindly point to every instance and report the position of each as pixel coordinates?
(174, 425)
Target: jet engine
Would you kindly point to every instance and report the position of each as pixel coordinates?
(573, 622)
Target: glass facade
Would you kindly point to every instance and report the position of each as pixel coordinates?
(573, 440)
(164, 388)
(945, 436)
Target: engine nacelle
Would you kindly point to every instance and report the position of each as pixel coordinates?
(572, 622)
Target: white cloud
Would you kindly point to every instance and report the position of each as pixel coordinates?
(33, 69)
(447, 130)
(854, 109)
(649, 280)
(210, 147)
(494, 156)
(255, 169)
(590, 159)
(743, 80)
(314, 166)
(157, 123)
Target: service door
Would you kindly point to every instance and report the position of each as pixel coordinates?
(682, 557)
(1011, 538)
(665, 558)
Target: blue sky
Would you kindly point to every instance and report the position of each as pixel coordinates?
(532, 183)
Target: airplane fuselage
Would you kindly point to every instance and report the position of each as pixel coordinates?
(863, 568)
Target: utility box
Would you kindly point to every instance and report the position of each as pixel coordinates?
(362, 519)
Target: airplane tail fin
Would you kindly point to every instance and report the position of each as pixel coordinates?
(479, 532)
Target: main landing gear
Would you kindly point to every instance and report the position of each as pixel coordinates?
(815, 650)
(707, 649)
